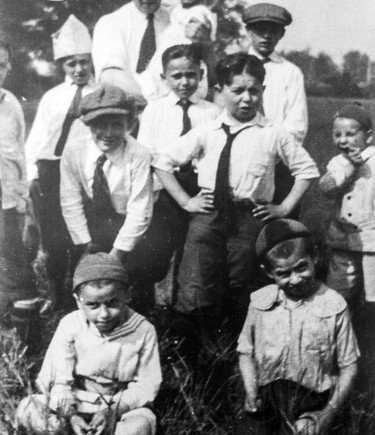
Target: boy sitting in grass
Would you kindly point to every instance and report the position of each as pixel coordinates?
(102, 368)
(297, 350)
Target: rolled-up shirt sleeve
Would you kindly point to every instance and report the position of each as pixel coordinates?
(187, 148)
(298, 160)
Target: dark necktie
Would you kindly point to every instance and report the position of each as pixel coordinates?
(266, 60)
(221, 195)
(100, 190)
(148, 45)
(71, 116)
(186, 122)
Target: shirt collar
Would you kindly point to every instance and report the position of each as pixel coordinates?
(368, 152)
(225, 118)
(274, 56)
(173, 99)
(68, 80)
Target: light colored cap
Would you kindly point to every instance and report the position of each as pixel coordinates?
(73, 38)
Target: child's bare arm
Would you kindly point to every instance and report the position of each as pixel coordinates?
(249, 377)
(266, 212)
(323, 418)
(201, 203)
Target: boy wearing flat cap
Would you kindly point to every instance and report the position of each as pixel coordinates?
(55, 125)
(101, 371)
(106, 183)
(297, 350)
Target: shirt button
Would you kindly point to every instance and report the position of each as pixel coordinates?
(349, 214)
(349, 197)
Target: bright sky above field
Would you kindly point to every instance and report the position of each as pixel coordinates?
(332, 26)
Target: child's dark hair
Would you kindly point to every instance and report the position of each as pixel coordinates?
(236, 64)
(100, 283)
(286, 248)
(5, 45)
(190, 51)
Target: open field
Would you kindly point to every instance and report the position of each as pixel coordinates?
(207, 402)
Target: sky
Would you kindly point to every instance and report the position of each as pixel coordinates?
(332, 26)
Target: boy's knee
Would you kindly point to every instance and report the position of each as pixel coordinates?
(137, 422)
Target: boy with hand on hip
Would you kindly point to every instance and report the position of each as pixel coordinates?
(297, 350)
(236, 156)
(101, 371)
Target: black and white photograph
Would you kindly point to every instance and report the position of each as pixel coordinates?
(187, 217)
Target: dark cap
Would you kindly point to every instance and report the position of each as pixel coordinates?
(279, 231)
(99, 266)
(266, 12)
(107, 100)
(356, 112)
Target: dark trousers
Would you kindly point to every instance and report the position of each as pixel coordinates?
(56, 241)
(219, 254)
(16, 277)
(148, 262)
(283, 402)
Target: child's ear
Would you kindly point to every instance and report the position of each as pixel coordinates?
(218, 88)
(266, 271)
(201, 72)
(77, 300)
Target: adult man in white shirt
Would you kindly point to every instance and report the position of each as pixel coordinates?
(125, 41)
(284, 98)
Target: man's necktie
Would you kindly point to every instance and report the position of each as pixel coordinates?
(100, 190)
(222, 195)
(266, 60)
(148, 45)
(71, 116)
(186, 122)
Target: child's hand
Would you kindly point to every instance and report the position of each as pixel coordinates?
(353, 155)
(266, 212)
(100, 421)
(314, 423)
(252, 404)
(201, 203)
(79, 426)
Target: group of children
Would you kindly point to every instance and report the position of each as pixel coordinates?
(192, 196)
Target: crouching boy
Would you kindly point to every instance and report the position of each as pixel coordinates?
(102, 369)
(297, 350)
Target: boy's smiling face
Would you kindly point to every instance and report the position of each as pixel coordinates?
(243, 96)
(293, 269)
(348, 135)
(183, 76)
(105, 307)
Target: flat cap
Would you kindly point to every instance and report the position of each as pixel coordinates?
(106, 100)
(266, 12)
(356, 112)
(99, 266)
(277, 231)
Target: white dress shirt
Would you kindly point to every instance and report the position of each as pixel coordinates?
(253, 156)
(128, 174)
(48, 122)
(117, 38)
(284, 97)
(161, 123)
(12, 153)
